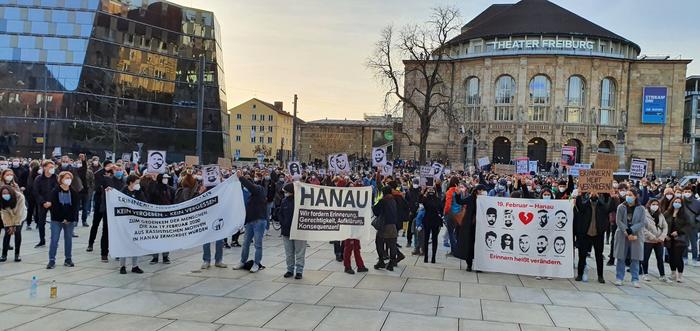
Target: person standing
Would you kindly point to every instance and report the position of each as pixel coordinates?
(29, 192)
(133, 190)
(432, 222)
(386, 237)
(103, 177)
(677, 240)
(64, 216)
(160, 193)
(629, 237)
(255, 220)
(655, 231)
(412, 198)
(88, 178)
(12, 213)
(590, 223)
(466, 236)
(43, 187)
(294, 250)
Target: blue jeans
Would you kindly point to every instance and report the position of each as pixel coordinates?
(254, 232)
(620, 270)
(218, 252)
(269, 214)
(450, 227)
(56, 228)
(693, 238)
(294, 251)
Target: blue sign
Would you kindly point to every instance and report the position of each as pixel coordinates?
(654, 105)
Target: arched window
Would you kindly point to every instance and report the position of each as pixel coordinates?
(539, 98)
(473, 100)
(505, 98)
(575, 99)
(608, 93)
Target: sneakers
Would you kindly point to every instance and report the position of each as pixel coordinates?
(538, 278)
(40, 244)
(166, 260)
(679, 278)
(380, 265)
(3, 258)
(349, 271)
(362, 269)
(85, 225)
(288, 274)
(235, 244)
(51, 265)
(238, 266)
(122, 270)
(104, 259)
(611, 262)
(646, 278)
(255, 268)
(415, 253)
(69, 263)
(220, 265)
(89, 249)
(578, 278)
(617, 282)
(694, 263)
(601, 280)
(136, 270)
(665, 279)
(297, 276)
(154, 260)
(17, 258)
(205, 265)
(399, 258)
(636, 284)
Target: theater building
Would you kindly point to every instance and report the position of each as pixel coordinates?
(100, 75)
(532, 77)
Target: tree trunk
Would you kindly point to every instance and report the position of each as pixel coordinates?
(423, 143)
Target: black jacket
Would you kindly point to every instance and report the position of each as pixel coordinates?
(433, 212)
(583, 213)
(67, 212)
(21, 176)
(413, 199)
(386, 208)
(43, 187)
(286, 213)
(138, 195)
(256, 206)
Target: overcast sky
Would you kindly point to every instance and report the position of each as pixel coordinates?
(318, 48)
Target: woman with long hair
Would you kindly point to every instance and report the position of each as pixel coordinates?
(64, 215)
(12, 212)
(629, 237)
(679, 226)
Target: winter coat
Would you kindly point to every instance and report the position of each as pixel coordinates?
(680, 225)
(655, 232)
(583, 215)
(61, 212)
(43, 187)
(386, 208)
(286, 213)
(433, 212)
(622, 244)
(256, 205)
(15, 216)
(466, 234)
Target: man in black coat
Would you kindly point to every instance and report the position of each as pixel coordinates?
(590, 224)
(255, 219)
(412, 198)
(43, 187)
(102, 178)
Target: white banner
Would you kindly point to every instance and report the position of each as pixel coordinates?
(484, 161)
(378, 156)
(524, 237)
(156, 162)
(137, 228)
(325, 213)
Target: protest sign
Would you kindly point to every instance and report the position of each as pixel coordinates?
(294, 168)
(638, 168)
(607, 161)
(524, 236)
(378, 156)
(191, 160)
(568, 156)
(211, 175)
(522, 165)
(224, 163)
(135, 157)
(109, 156)
(504, 169)
(56, 151)
(324, 213)
(137, 228)
(484, 161)
(437, 170)
(387, 170)
(426, 176)
(126, 157)
(156, 162)
(533, 166)
(338, 163)
(595, 181)
(574, 171)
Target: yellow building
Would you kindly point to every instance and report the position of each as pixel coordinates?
(261, 127)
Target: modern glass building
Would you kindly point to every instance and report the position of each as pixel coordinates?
(101, 75)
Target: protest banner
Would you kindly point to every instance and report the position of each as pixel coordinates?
(606, 161)
(524, 237)
(568, 156)
(156, 162)
(211, 175)
(324, 213)
(533, 166)
(387, 170)
(294, 168)
(484, 161)
(191, 160)
(574, 171)
(378, 156)
(137, 228)
(426, 176)
(595, 181)
(522, 165)
(135, 157)
(224, 163)
(126, 157)
(638, 168)
(504, 169)
(338, 163)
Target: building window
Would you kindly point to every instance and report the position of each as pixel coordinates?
(238, 138)
(539, 98)
(262, 117)
(238, 127)
(262, 128)
(262, 139)
(575, 99)
(238, 116)
(608, 93)
(255, 117)
(253, 106)
(473, 99)
(269, 140)
(252, 140)
(505, 98)
(269, 128)
(269, 118)
(254, 128)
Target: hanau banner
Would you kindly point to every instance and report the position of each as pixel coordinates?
(324, 213)
(524, 236)
(137, 228)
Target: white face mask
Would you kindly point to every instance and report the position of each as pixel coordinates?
(654, 208)
(483, 193)
(616, 185)
(562, 189)
(198, 177)
(15, 164)
(669, 196)
(137, 186)
(546, 197)
(52, 171)
(9, 178)
(416, 185)
(67, 181)
(165, 181)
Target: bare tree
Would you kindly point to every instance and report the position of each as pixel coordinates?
(419, 88)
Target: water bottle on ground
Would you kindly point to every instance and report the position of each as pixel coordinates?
(33, 287)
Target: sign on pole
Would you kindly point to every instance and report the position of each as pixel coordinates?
(294, 168)
(378, 156)
(224, 163)
(595, 181)
(484, 161)
(387, 170)
(191, 160)
(533, 166)
(211, 175)
(136, 157)
(568, 156)
(504, 169)
(638, 168)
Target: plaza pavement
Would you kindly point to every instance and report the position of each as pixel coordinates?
(416, 296)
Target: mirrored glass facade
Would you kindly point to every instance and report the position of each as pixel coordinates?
(109, 72)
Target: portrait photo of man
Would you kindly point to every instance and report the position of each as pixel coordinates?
(378, 156)
(560, 217)
(508, 217)
(543, 217)
(491, 215)
(341, 162)
(524, 243)
(507, 242)
(490, 239)
(559, 245)
(542, 243)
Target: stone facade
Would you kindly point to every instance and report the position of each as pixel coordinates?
(318, 139)
(532, 138)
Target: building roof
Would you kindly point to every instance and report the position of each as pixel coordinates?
(349, 123)
(271, 106)
(532, 17)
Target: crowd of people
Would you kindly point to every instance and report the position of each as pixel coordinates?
(637, 219)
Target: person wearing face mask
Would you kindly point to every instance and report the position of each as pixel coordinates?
(692, 208)
(501, 189)
(413, 199)
(103, 179)
(64, 216)
(12, 213)
(564, 189)
(32, 210)
(295, 250)
(21, 174)
(160, 193)
(87, 177)
(432, 222)
(114, 179)
(466, 234)
(590, 223)
(43, 188)
(665, 199)
(630, 221)
(8, 178)
(655, 231)
(677, 239)
(617, 200)
(133, 190)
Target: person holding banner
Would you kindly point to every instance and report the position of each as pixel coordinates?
(133, 190)
(466, 234)
(295, 250)
(629, 237)
(64, 216)
(255, 220)
(160, 193)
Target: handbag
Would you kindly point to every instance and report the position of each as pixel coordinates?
(458, 217)
(378, 223)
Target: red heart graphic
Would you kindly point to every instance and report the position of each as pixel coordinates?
(526, 218)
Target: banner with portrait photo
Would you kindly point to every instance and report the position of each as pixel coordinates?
(325, 213)
(378, 156)
(294, 168)
(211, 175)
(137, 228)
(524, 236)
(568, 156)
(156, 162)
(338, 163)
